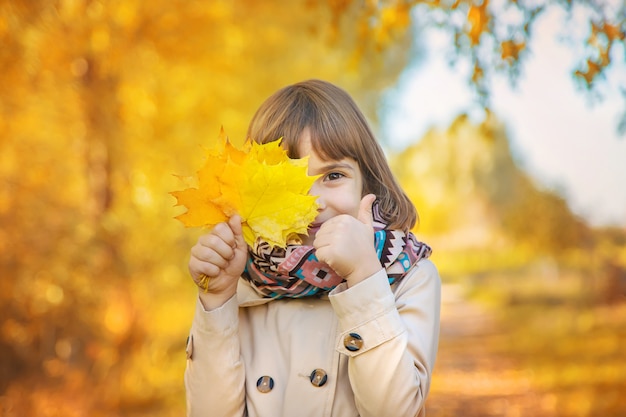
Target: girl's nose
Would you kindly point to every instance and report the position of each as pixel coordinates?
(315, 190)
(320, 203)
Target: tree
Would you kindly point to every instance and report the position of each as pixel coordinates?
(100, 103)
(496, 37)
(473, 196)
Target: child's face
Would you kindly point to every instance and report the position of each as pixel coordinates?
(338, 188)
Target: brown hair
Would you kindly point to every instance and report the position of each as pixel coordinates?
(338, 130)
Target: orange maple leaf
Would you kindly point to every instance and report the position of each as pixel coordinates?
(260, 183)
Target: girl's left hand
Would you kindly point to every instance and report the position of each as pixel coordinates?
(346, 244)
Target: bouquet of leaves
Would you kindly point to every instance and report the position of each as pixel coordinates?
(260, 183)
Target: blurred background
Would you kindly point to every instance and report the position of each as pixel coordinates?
(503, 120)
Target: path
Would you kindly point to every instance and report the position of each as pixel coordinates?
(471, 377)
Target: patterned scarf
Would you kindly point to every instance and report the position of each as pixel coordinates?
(295, 271)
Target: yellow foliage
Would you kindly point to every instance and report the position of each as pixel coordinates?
(260, 183)
(511, 50)
(478, 19)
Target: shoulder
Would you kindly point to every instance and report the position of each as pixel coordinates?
(426, 266)
(422, 276)
(423, 269)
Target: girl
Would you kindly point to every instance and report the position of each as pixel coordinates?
(343, 323)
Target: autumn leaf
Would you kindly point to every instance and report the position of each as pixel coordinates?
(260, 183)
(478, 19)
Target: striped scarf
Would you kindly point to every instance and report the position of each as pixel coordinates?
(295, 271)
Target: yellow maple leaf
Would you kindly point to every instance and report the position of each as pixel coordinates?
(260, 183)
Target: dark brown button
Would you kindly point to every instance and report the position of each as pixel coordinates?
(353, 342)
(265, 384)
(318, 377)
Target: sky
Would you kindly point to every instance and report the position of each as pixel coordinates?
(562, 138)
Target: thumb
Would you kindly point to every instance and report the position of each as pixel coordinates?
(235, 225)
(365, 210)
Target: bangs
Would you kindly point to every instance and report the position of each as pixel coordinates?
(329, 145)
(333, 137)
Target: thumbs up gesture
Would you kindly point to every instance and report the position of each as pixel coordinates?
(346, 244)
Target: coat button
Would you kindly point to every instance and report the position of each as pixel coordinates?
(353, 342)
(318, 377)
(265, 384)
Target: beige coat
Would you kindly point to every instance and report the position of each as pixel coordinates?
(365, 351)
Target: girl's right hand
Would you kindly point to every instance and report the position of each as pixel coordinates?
(220, 255)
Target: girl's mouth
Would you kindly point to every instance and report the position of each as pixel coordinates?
(314, 228)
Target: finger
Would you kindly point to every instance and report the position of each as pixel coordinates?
(235, 225)
(210, 255)
(224, 232)
(365, 210)
(218, 243)
(197, 268)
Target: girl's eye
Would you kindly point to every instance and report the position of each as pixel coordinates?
(334, 176)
